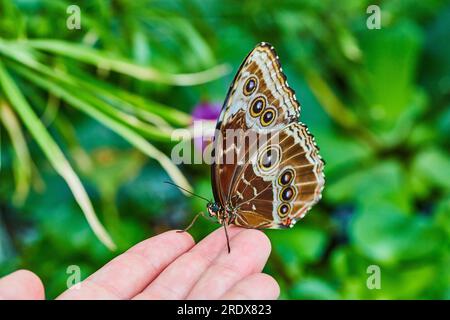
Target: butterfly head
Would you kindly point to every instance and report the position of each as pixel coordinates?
(213, 209)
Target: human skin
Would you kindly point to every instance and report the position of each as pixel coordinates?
(170, 266)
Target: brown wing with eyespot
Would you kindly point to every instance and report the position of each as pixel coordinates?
(259, 100)
(282, 181)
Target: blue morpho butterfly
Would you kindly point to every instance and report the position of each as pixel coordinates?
(275, 184)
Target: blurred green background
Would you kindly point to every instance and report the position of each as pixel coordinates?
(86, 117)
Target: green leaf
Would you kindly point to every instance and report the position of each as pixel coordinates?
(442, 215)
(390, 62)
(314, 288)
(363, 186)
(304, 242)
(410, 283)
(383, 233)
(433, 166)
(341, 153)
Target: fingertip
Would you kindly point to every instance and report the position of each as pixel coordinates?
(181, 234)
(173, 238)
(259, 286)
(180, 241)
(266, 284)
(32, 282)
(259, 240)
(23, 284)
(273, 288)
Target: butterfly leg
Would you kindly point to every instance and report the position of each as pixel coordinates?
(225, 223)
(192, 222)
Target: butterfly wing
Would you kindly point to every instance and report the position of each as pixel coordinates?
(276, 193)
(260, 80)
(259, 100)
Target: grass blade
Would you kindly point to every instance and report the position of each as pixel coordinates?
(25, 55)
(148, 110)
(116, 126)
(103, 61)
(22, 162)
(53, 154)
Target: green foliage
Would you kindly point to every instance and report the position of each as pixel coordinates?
(97, 107)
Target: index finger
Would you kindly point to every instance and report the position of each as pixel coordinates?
(128, 274)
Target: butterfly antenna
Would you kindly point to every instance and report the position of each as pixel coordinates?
(175, 185)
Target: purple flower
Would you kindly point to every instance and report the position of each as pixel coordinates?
(206, 111)
(202, 113)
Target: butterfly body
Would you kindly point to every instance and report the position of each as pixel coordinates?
(267, 172)
(224, 214)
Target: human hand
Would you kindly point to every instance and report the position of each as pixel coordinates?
(170, 266)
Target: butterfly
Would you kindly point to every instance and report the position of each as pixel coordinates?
(269, 183)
